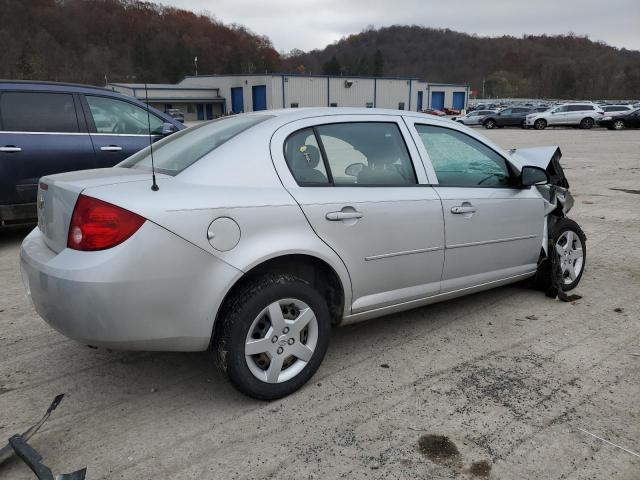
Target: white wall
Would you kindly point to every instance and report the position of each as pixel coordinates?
(305, 91)
(357, 95)
(390, 93)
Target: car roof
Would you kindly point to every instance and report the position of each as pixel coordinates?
(56, 86)
(292, 114)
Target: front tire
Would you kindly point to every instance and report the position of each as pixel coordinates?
(618, 125)
(564, 267)
(540, 124)
(490, 124)
(273, 335)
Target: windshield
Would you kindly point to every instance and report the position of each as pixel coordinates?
(176, 152)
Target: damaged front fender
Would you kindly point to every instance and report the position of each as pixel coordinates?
(556, 194)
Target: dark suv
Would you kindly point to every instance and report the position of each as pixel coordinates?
(48, 128)
(509, 117)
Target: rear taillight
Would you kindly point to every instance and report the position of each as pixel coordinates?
(98, 225)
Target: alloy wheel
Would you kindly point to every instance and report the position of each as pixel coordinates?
(571, 253)
(618, 125)
(281, 340)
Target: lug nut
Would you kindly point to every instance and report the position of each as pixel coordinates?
(280, 350)
(285, 330)
(290, 341)
(274, 339)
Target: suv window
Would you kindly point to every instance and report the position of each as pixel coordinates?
(580, 108)
(179, 150)
(304, 158)
(520, 110)
(374, 152)
(561, 109)
(462, 161)
(38, 112)
(506, 111)
(119, 117)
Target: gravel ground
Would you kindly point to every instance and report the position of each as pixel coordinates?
(501, 384)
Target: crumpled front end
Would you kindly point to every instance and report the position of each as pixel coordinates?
(556, 194)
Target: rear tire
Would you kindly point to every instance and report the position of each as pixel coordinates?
(490, 124)
(568, 247)
(540, 124)
(587, 123)
(262, 317)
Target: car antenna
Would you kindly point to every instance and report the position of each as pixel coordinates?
(154, 185)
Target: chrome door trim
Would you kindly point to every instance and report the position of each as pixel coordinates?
(486, 242)
(397, 254)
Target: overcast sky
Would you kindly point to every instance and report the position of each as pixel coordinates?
(309, 24)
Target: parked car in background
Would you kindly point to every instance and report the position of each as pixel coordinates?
(614, 110)
(176, 114)
(509, 117)
(624, 120)
(451, 111)
(432, 111)
(250, 248)
(474, 118)
(48, 128)
(583, 115)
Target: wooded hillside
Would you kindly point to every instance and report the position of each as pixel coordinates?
(534, 66)
(134, 41)
(84, 40)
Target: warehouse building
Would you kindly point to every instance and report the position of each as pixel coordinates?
(208, 96)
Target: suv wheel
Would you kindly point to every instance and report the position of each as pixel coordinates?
(273, 336)
(587, 123)
(618, 125)
(489, 124)
(568, 245)
(540, 124)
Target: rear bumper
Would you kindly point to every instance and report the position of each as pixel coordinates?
(24, 213)
(155, 291)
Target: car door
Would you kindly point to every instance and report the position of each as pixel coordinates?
(493, 230)
(119, 128)
(518, 115)
(503, 117)
(366, 195)
(558, 116)
(41, 133)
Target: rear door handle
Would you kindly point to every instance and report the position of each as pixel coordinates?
(337, 216)
(463, 209)
(10, 149)
(111, 148)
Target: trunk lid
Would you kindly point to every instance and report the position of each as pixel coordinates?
(57, 195)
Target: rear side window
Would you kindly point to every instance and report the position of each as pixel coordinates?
(38, 112)
(356, 154)
(176, 152)
(580, 108)
(462, 161)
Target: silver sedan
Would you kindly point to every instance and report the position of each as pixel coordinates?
(252, 235)
(474, 118)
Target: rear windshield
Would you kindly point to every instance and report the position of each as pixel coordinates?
(176, 152)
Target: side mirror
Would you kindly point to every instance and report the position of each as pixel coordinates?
(168, 129)
(354, 169)
(531, 175)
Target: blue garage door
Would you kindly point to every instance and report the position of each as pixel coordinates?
(458, 100)
(259, 93)
(237, 100)
(419, 101)
(437, 100)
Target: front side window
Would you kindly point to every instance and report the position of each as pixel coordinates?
(119, 117)
(462, 161)
(561, 109)
(176, 152)
(38, 112)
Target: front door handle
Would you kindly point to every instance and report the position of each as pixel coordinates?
(337, 216)
(10, 149)
(111, 148)
(463, 209)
